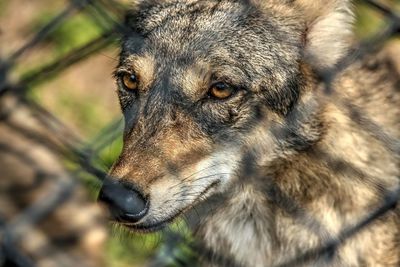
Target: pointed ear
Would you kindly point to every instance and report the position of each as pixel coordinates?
(329, 30)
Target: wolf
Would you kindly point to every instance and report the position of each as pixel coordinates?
(264, 116)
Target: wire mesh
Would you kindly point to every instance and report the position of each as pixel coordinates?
(64, 142)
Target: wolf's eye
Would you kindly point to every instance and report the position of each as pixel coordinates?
(221, 90)
(130, 81)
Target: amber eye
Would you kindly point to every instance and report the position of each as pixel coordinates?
(130, 81)
(221, 90)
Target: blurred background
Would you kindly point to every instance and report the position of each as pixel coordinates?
(60, 129)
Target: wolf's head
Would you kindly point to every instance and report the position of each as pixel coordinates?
(204, 85)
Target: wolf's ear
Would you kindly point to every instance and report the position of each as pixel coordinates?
(329, 30)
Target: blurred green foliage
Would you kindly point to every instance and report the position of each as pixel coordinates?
(368, 22)
(76, 31)
(2, 7)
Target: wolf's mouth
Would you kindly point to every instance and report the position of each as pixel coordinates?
(153, 227)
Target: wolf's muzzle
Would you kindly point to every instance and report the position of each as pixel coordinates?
(126, 204)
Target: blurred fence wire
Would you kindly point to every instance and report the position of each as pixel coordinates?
(108, 15)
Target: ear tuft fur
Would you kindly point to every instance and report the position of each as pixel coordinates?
(329, 31)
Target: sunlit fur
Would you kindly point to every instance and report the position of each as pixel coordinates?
(287, 164)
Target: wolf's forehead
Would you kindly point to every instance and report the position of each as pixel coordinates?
(181, 14)
(196, 26)
(193, 37)
(190, 26)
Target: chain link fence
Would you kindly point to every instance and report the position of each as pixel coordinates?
(23, 116)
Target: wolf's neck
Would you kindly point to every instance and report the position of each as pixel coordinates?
(241, 227)
(305, 200)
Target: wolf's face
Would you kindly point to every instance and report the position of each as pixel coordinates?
(203, 85)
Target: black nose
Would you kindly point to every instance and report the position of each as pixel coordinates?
(124, 202)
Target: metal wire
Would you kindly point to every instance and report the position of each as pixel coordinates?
(107, 14)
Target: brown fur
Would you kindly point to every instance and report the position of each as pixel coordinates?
(294, 169)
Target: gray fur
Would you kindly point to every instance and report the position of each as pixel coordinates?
(293, 169)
